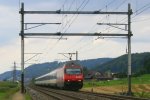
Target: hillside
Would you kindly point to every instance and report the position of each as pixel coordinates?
(40, 69)
(140, 62)
(8, 75)
(91, 63)
(43, 68)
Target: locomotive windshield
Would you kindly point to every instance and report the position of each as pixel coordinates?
(73, 71)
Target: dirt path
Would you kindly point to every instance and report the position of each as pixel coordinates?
(18, 96)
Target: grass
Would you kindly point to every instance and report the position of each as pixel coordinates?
(144, 79)
(27, 96)
(142, 94)
(7, 89)
(139, 86)
(95, 83)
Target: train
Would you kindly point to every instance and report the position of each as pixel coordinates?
(68, 76)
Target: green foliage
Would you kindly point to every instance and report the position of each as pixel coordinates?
(95, 83)
(7, 89)
(8, 84)
(140, 64)
(143, 79)
(27, 96)
(121, 75)
(147, 65)
(142, 94)
(85, 71)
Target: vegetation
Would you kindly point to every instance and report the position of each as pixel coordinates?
(142, 94)
(140, 64)
(27, 96)
(140, 86)
(146, 67)
(85, 71)
(7, 89)
(143, 79)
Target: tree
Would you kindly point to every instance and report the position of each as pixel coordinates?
(147, 66)
(85, 71)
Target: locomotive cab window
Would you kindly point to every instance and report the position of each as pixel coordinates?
(73, 71)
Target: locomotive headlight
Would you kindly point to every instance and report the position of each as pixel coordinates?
(68, 80)
(79, 80)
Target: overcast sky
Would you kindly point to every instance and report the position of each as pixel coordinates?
(88, 47)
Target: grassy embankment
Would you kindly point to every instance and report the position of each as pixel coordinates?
(7, 89)
(140, 86)
(27, 96)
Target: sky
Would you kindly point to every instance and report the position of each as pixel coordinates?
(87, 47)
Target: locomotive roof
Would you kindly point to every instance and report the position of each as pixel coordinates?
(69, 63)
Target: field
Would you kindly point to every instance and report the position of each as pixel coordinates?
(140, 86)
(7, 89)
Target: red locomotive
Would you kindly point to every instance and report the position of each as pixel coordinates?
(68, 76)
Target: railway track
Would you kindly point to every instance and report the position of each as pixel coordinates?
(114, 97)
(56, 94)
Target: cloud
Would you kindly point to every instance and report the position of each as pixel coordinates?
(9, 53)
(141, 30)
(9, 20)
(88, 47)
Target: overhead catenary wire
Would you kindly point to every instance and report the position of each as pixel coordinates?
(78, 9)
(141, 20)
(111, 2)
(47, 47)
(100, 9)
(138, 12)
(87, 44)
(55, 44)
(65, 16)
(74, 17)
(134, 14)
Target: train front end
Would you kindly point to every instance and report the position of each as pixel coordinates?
(73, 76)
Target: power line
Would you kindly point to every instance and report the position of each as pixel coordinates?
(123, 2)
(72, 19)
(146, 19)
(100, 21)
(111, 2)
(108, 4)
(55, 44)
(141, 8)
(63, 16)
(141, 11)
(138, 11)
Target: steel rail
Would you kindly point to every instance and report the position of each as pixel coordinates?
(55, 94)
(94, 95)
(114, 97)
